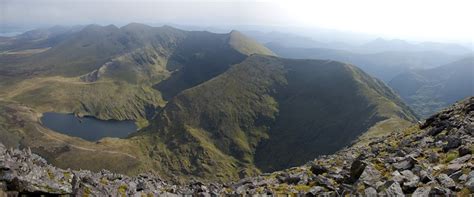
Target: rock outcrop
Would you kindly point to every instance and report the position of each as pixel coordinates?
(434, 158)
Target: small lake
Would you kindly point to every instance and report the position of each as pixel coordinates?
(87, 128)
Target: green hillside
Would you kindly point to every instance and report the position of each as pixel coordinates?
(139, 65)
(211, 106)
(268, 113)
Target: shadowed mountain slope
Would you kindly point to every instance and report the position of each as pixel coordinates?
(270, 112)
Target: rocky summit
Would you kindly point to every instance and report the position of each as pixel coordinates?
(432, 158)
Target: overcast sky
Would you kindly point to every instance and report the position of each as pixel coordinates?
(448, 20)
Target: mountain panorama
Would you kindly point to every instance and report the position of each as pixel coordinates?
(141, 110)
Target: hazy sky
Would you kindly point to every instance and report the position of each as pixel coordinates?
(416, 19)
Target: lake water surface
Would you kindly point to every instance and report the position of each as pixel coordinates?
(87, 128)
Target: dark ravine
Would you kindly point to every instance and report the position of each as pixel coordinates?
(433, 158)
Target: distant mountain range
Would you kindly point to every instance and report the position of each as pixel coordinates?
(379, 45)
(293, 40)
(383, 65)
(429, 90)
(210, 106)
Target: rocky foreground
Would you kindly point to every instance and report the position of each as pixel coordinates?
(429, 159)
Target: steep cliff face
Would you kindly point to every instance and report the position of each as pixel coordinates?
(433, 158)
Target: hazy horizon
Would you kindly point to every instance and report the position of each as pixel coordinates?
(437, 21)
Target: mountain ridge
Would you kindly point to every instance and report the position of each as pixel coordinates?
(214, 112)
(208, 105)
(161, 60)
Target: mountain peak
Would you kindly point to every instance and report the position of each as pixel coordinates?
(246, 45)
(135, 25)
(95, 28)
(235, 32)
